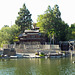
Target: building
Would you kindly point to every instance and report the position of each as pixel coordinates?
(32, 37)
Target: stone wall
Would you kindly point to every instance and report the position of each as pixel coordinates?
(9, 52)
(22, 48)
(34, 48)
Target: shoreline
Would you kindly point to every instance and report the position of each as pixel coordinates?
(33, 55)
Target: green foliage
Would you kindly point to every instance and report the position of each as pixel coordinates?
(51, 24)
(37, 53)
(14, 32)
(7, 34)
(42, 54)
(6, 26)
(24, 19)
(15, 39)
(72, 31)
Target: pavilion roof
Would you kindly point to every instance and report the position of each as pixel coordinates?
(22, 34)
(29, 31)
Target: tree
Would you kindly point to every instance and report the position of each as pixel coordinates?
(14, 32)
(51, 23)
(6, 26)
(24, 19)
(7, 34)
(72, 31)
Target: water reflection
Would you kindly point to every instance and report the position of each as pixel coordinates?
(37, 66)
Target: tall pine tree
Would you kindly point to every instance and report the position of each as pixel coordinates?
(24, 19)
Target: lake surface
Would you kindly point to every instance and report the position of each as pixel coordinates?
(37, 66)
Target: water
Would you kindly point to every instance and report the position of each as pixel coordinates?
(37, 66)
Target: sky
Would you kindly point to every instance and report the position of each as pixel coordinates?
(9, 10)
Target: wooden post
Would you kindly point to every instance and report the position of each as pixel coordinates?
(53, 39)
(50, 41)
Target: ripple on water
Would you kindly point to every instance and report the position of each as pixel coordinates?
(68, 69)
(7, 71)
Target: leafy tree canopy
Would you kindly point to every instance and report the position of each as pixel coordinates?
(7, 34)
(24, 19)
(51, 23)
(72, 31)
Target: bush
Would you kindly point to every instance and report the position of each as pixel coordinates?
(37, 53)
(42, 54)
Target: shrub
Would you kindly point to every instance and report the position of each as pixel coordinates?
(37, 53)
(42, 54)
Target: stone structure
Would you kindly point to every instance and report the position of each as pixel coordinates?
(32, 40)
(64, 45)
(67, 45)
(9, 52)
(31, 37)
(33, 48)
(72, 44)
